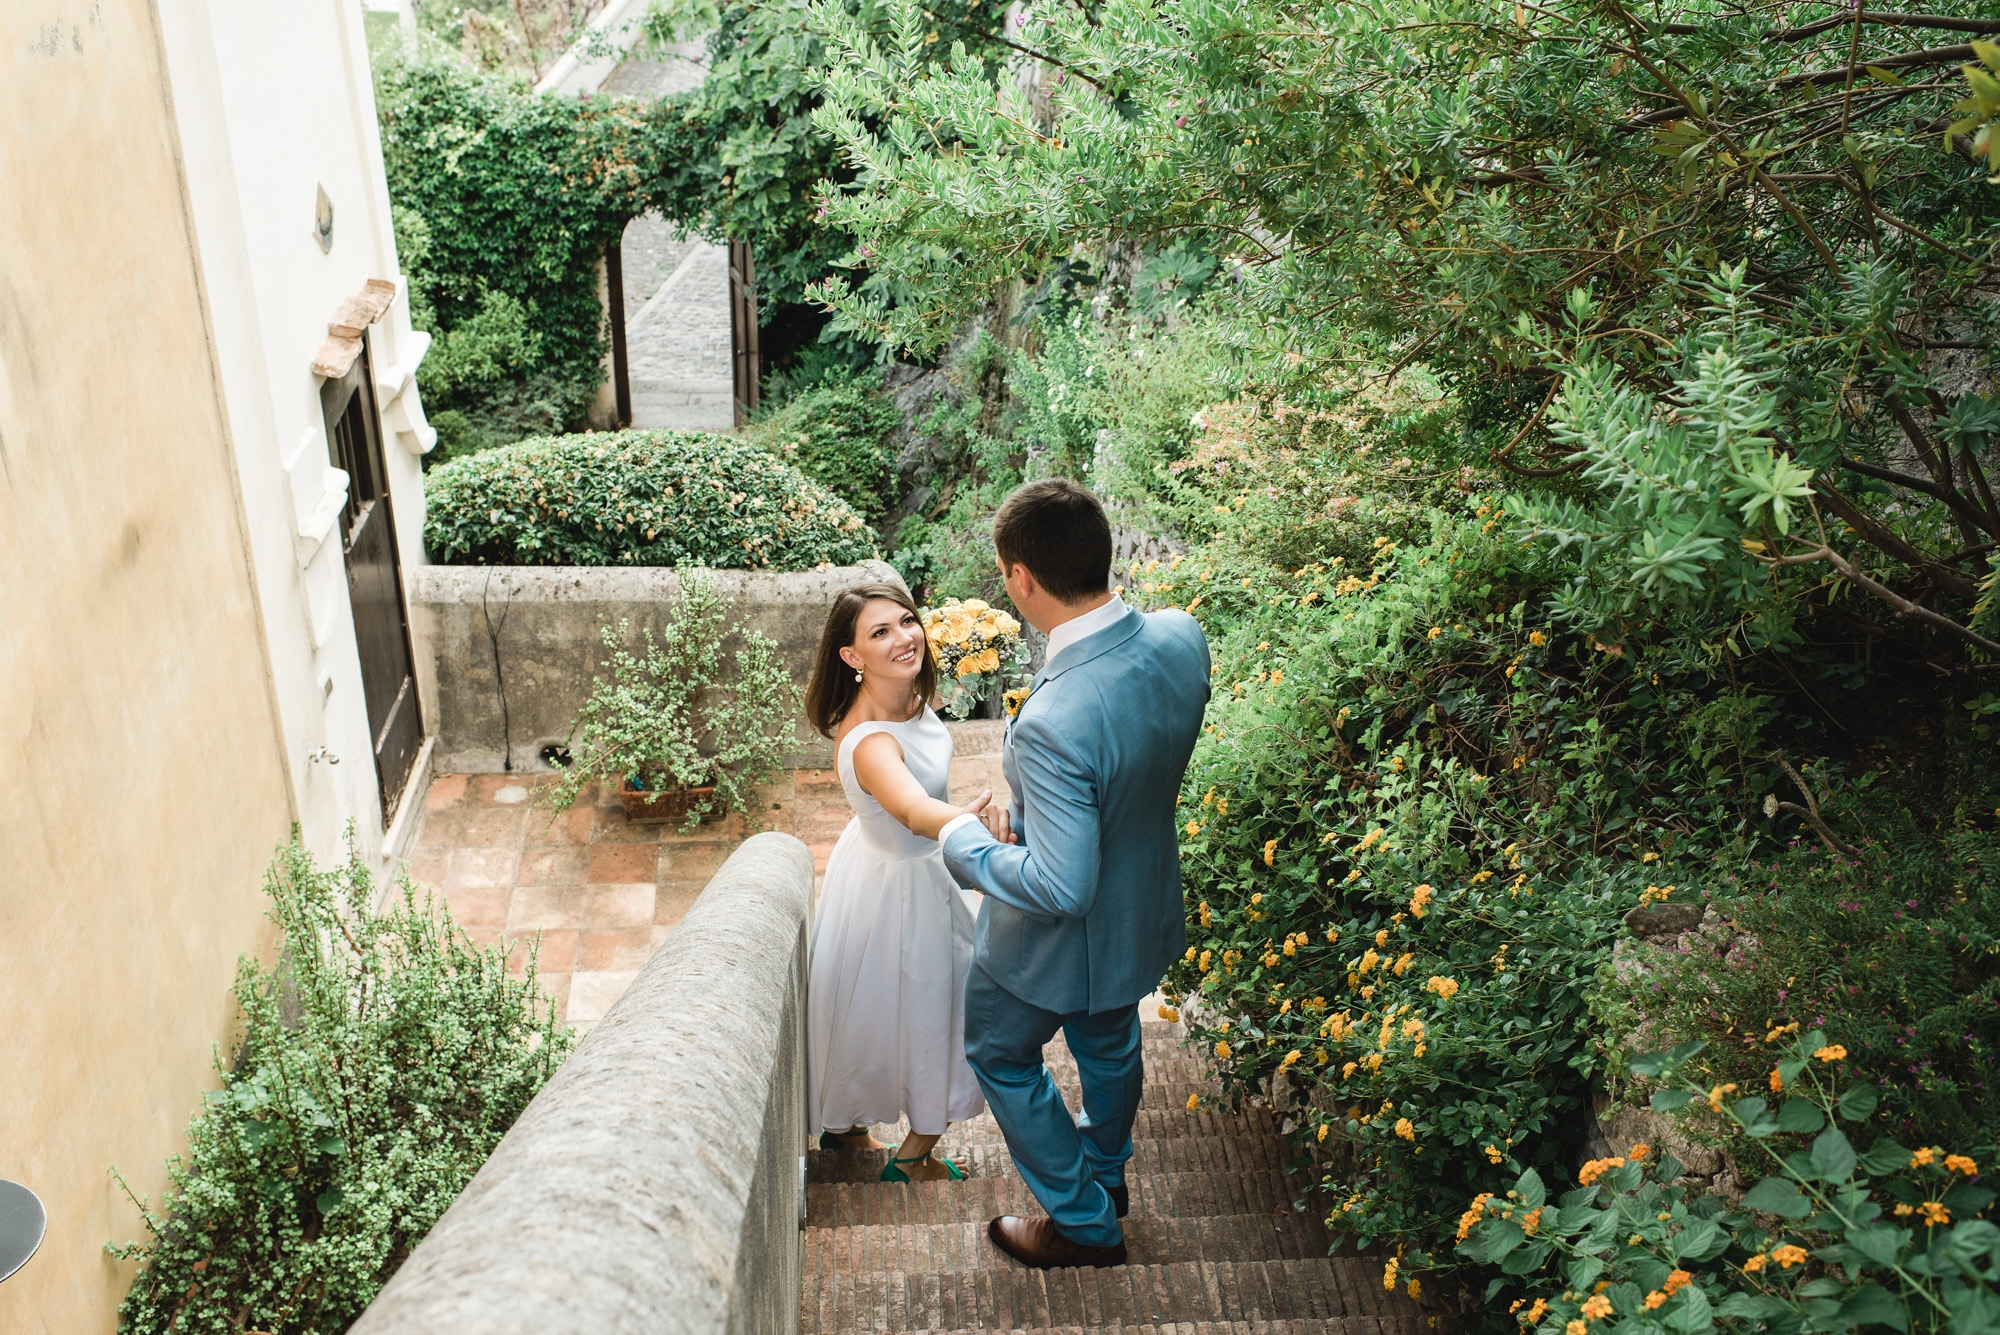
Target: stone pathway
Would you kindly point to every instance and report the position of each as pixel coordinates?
(599, 892)
(677, 335)
(1215, 1246)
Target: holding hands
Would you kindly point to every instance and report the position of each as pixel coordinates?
(992, 815)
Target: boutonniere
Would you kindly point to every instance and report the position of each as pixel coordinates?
(1015, 698)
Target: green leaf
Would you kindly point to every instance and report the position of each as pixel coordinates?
(329, 1200)
(1671, 1100)
(1533, 1193)
(1858, 1103)
(1972, 1239)
(1776, 1195)
(1884, 1156)
(1962, 1198)
(1800, 1116)
(1691, 1314)
(1748, 1306)
(1584, 1270)
(1832, 1157)
(333, 1145)
(1878, 1243)
(1701, 1240)
(1975, 1309)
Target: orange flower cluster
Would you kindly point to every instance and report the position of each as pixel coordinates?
(1473, 1214)
(1597, 1168)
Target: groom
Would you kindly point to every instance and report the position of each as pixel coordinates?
(1083, 887)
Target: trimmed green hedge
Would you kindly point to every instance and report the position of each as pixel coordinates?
(638, 498)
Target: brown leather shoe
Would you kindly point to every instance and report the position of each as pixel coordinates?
(1121, 1199)
(1035, 1242)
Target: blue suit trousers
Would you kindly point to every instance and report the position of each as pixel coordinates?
(1066, 1161)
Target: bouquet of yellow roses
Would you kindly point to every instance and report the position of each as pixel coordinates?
(976, 647)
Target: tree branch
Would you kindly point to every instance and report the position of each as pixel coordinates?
(1949, 496)
(1903, 606)
(1877, 17)
(1934, 55)
(1880, 538)
(1811, 810)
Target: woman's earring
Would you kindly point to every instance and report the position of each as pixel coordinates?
(857, 674)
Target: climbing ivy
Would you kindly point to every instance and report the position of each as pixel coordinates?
(504, 202)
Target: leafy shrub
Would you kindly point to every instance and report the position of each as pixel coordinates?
(381, 1063)
(1417, 812)
(1832, 1240)
(667, 719)
(836, 433)
(646, 498)
(1894, 943)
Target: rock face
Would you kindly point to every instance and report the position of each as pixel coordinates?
(1653, 920)
(1660, 931)
(1214, 1243)
(1708, 1168)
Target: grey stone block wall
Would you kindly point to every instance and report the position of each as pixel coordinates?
(655, 1184)
(513, 650)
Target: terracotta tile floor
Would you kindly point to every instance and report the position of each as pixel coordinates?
(602, 892)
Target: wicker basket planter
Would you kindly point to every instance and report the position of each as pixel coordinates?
(661, 803)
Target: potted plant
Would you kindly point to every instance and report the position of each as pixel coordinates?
(683, 738)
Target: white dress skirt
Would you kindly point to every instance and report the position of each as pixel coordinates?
(891, 948)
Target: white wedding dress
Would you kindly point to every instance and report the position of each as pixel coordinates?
(891, 947)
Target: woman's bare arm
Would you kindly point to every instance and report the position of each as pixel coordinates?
(879, 767)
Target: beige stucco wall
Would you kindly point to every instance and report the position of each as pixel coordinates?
(142, 785)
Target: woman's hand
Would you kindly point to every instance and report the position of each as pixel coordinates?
(992, 816)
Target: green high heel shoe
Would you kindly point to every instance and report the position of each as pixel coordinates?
(891, 1173)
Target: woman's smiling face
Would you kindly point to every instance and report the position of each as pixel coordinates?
(888, 643)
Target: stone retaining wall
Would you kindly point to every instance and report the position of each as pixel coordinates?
(515, 648)
(656, 1183)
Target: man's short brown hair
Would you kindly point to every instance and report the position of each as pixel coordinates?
(1058, 531)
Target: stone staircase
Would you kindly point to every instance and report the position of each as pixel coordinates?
(1215, 1245)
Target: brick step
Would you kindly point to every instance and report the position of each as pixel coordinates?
(943, 1248)
(985, 1154)
(1005, 1295)
(1344, 1325)
(976, 1200)
(1179, 1069)
(1150, 1124)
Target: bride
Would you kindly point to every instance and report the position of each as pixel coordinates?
(892, 940)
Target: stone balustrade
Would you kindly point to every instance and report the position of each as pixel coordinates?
(656, 1184)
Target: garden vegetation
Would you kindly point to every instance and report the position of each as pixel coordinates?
(1594, 432)
(382, 1059)
(639, 498)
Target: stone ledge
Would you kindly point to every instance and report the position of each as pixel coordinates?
(654, 1184)
(544, 620)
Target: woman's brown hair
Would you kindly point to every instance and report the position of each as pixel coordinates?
(830, 693)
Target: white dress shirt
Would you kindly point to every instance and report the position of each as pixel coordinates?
(1083, 627)
(1061, 638)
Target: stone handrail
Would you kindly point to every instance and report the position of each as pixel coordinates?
(656, 1183)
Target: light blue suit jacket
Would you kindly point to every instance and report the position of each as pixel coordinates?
(1084, 913)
